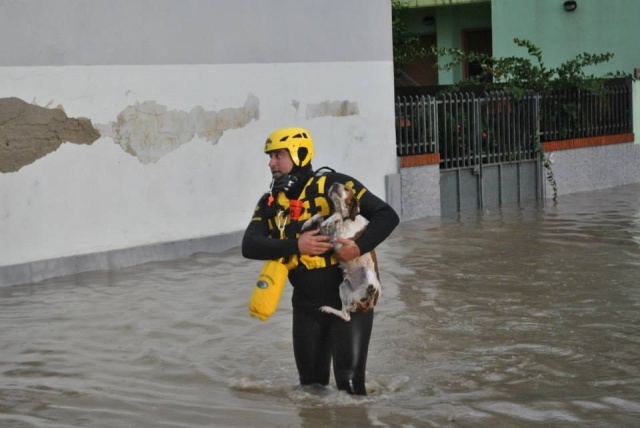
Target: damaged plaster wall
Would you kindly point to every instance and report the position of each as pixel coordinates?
(165, 144)
(29, 132)
(146, 130)
(114, 194)
(332, 109)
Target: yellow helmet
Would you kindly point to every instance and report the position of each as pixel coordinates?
(297, 141)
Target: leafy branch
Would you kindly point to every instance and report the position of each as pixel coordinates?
(517, 74)
(406, 44)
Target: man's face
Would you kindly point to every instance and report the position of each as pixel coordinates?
(280, 163)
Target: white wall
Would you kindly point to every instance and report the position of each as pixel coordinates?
(181, 184)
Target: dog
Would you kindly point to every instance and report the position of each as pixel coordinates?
(360, 289)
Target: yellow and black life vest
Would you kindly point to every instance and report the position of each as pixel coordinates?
(282, 226)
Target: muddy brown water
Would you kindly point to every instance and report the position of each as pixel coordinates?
(524, 316)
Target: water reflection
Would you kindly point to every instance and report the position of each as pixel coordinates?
(523, 316)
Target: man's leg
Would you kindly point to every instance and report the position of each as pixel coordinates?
(311, 346)
(350, 348)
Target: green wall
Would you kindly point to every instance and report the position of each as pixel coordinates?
(449, 23)
(596, 26)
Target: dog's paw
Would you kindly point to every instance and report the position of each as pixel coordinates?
(369, 293)
(346, 316)
(371, 290)
(342, 314)
(313, 223)
(369, 299)
(372, 280)
(328, 229)
(331, 220)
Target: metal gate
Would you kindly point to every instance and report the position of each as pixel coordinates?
(490, 144)
(487, 146)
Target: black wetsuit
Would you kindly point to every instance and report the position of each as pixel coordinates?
(319, 338)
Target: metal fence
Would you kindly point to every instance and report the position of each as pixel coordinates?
(467, 129)
(580, 114)
(416, 125)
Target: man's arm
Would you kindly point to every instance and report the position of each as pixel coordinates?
(258, 245)
(382, 218)
(382, 221)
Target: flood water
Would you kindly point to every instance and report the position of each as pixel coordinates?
(525, 316)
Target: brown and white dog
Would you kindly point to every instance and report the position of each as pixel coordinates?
(361, 287)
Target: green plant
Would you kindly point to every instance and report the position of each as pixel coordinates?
(406, 44)
(517, 74)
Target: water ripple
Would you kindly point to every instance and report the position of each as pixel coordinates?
(524, 316)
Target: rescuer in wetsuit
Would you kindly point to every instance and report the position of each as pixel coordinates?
(274, 232)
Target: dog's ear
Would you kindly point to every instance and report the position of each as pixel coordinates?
(354, 208)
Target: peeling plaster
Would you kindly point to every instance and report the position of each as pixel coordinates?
(29, 132)
(149, 131)
(332, 108)
(146, 130)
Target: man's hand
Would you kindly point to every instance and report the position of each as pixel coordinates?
(348, 251)
(312, 244)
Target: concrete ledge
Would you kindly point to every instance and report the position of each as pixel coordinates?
(580, 143)
(40, 270)
(594, 167)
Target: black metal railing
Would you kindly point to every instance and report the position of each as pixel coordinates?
(459, 123)
(509, 127)
(468, 129)
(416, 125)
(579, 114)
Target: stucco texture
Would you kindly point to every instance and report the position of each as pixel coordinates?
(29, 132)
